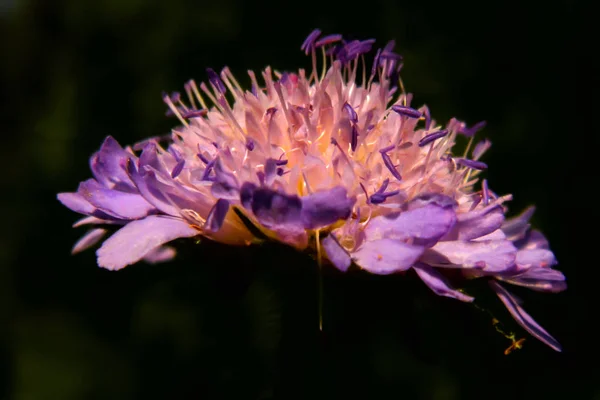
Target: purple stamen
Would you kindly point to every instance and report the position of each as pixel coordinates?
(351, 113)
(427, 118)
(375, 62)
(384, 186)
(202, 158)
(194, 113)
(386, 149)
(485, 192)
(216, 81)
(175, 97)
(176, 154)
(406, 111)
(279, 171)
(271, 111)
(261, 177)
(390, 55)
(388, 162)
(432, 136)
(309, 42)
(178, 168)
(378, 198)
(209, 167)
(472, 164)
(329, 39)
(281, 162)
(354, 138)
(472, 130)
(249, 144)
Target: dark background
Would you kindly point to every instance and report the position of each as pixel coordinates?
(242, 323)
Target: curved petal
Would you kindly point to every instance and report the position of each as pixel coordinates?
(516, 227)
(138, 238)
(539, 279)
(160, 254)
(523, 318)
(437, 282)
(88, 240)
(119, 204)
(386, 256)
(336, 253)
(425, 225)
(487, 256)
(325, 207)
(477, 223)
(108, 165)
(535, 258)
(76, 202)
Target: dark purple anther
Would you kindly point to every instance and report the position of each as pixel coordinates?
(178, 168)
(406, 111)
(390, 55)
(309, 42)
(249, 144)
(194, 113)
(386, 149)
(279, 171)
(202, 158)
(175, 97)
(209, 167)
(329, 39)
(432, 136)
(378, 198)
(281, 162)
(427, 118)
(216, 216)
(214, 78)
(357, 47)
(472, 164)
(375, 62)
(388, 162)
(485, 192)
(472, 130)
(271, 111)
(354, 138)
(351, 113)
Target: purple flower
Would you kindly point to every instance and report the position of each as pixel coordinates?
(334, 158)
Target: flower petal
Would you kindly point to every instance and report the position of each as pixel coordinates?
(160, 254)
(535, 258)
(76, 202)
(539, 279)
(386, 256)
(138, 238)
(108, 164)
(88, 240)
(272, 208)
(516, 227)
(119, 204)
(336, 253)
(488, 256)
(477, 223)
(522, 317)
(326, 207)
(216, 216)
(437, 282)
(425, 225)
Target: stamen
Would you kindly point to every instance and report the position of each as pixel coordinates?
(177, 169)
(351, 113)
(406, 111)
(485, 192)
(216, 81)
(432, 136)
(387, 161)
(192, 85)
(478, 165)
(209, 167)
(309, 42)
(169, 102)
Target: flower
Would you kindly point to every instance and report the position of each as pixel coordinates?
(335, 160)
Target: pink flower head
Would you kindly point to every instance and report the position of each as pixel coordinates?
(337, 156)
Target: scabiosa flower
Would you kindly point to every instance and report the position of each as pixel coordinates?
(336, 160)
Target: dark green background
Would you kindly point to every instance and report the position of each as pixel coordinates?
(233, 323)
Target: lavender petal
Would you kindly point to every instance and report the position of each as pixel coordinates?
(386, 256)
(336, 253)
(138, 238)
(523, 318)
(118, 204)
(88, 240)
(326, 207)
(160, 254)
(438, 283)
(492, 256)
(217, 215)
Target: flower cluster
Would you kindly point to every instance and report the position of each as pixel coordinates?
(337, 160)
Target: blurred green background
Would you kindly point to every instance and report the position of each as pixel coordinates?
(221, 323)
